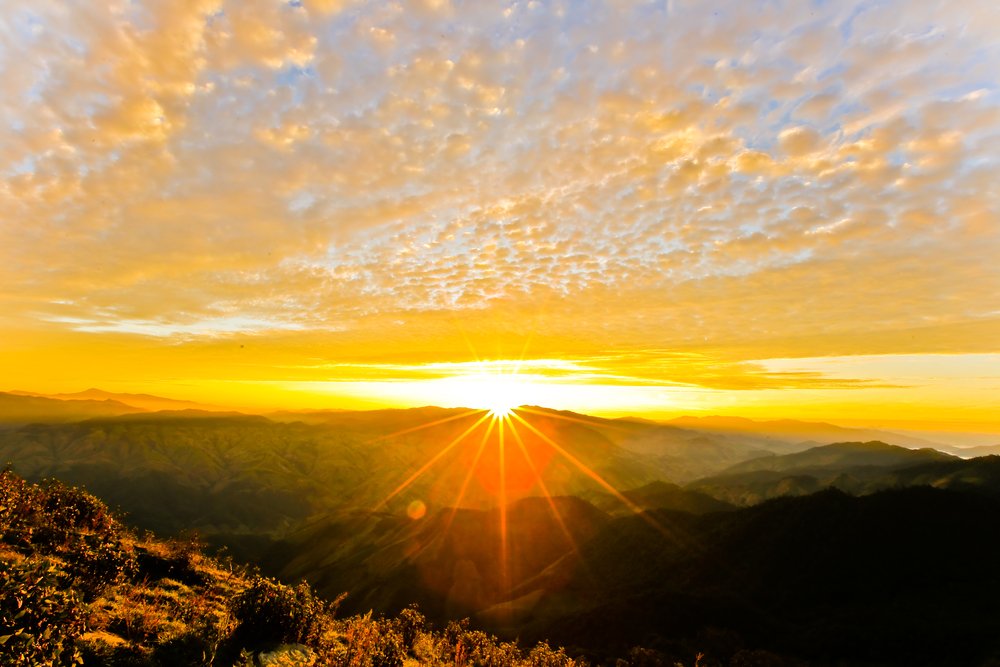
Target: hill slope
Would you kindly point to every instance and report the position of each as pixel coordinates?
(898, 577)
(77, 587)
(454, 563)
(904, 577)
(242, 480)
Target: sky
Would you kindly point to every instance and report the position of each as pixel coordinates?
(655, 208)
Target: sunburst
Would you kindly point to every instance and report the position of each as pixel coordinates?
(497, 393)
(502, 443)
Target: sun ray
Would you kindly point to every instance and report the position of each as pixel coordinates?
(589, 472)
(436, 422)
(524, 352)
(555, 415)
(504, 573)
(412, 478)
(541, 485)
(468, 476)
(646, 516)
(465, 338)
(450, 519)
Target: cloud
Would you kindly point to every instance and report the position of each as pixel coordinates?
(635, 176)
(649, 368)
(799, 140)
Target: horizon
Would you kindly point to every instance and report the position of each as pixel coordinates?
(632, 208)
(960, 435)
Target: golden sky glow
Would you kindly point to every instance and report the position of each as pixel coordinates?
(653, 208)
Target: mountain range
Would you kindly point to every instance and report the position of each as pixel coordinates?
(707, 534)
(147, 402)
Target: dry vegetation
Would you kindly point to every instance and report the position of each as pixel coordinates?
(78, 587)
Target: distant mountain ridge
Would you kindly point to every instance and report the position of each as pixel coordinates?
(142, 401)
(252, 475)
(842, 455)
(21, 409)
(854, 467)
(779, 436)
(192, 414)
(797, 431)
(976, 451)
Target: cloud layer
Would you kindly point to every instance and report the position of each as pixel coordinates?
(737, 181)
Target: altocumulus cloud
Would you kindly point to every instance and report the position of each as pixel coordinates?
(636, 175)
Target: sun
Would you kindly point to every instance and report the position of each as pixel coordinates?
(500, 395)
(497, 393)
(500, 411)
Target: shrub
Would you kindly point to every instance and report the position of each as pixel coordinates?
(371, 643)
(99, 561)
(410, 623)
(544, 655)
(271, 612)
(758, 658)
(639, 656)
(64, 513)
(39, 619)
(78, 509)
(59, 520)
(488, 651)
(197, 647)
(19, 502)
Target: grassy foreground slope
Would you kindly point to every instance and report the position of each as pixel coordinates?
(78, 587)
